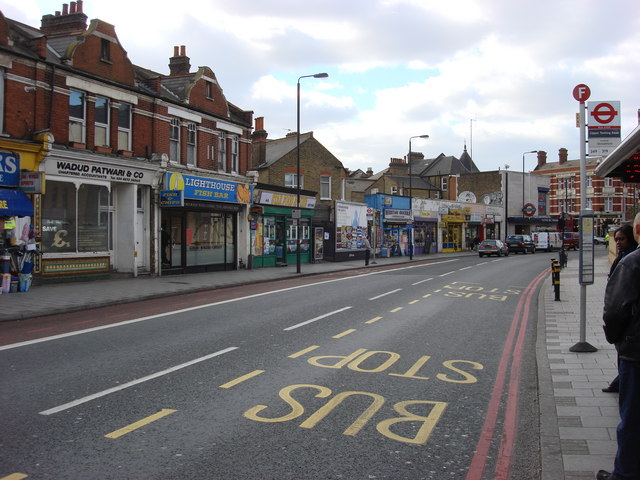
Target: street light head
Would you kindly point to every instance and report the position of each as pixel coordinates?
(321, 75)
(423, 136)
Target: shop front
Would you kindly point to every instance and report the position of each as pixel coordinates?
(95, 216)
(452, 224)
(200, 223)
(274, 228)
(396, 231)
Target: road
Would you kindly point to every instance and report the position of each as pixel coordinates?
(414, 372)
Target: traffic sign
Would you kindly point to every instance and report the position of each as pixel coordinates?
(581, 93)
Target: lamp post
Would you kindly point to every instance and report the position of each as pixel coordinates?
(411, 196)
(506, 202)
(316, 75)
(532, 151)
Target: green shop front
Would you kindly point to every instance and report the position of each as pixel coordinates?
(276, 224)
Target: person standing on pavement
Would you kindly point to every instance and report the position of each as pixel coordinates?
(625, 244)
(367, 250)
(621, 316)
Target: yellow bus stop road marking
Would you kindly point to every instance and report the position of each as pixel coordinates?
(345, 333)
(140, 423)
(241, 379)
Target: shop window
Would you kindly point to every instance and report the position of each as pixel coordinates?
(291, 180)
(77, 112)
(102, 122)
(124, 126)
(222, 152)
(209, 238)
(234, 154)
(325, 187)
(75, 220)
(174, 140)
(191, 143)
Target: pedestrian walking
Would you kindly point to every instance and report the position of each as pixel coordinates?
(625, 244)
(622, 328)
(367, 250)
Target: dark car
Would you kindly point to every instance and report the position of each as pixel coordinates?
(492, 247)
(520, 243)
(571, 240)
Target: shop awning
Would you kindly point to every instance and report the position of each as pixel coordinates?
(15, 203)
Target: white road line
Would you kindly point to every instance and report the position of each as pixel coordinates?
(208, 305)
(465, 268)
(385, 294)
(88, 398)
(445, 274)
(422, 281)
(293, 327)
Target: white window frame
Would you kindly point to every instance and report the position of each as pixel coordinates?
(325, 187)
(608, 181)
(589, 181)
(103, 126)
(192, 136)
(124, 131)
(235, 143)
(394, 190)
(174, 140)
(290, 180)
(222, 152)
(443, 183)
(82, 122)
(608, 203)
(590, 203)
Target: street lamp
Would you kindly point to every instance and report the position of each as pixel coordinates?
(316, 75)
(411, 196)
(532, 151)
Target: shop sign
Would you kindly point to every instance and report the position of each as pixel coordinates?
(32, 182)
(97, 171)
(396, 214)
(209, 189)
(286, 200)
(475, 217)
(489, 219)
(9, 169)
(171, 198)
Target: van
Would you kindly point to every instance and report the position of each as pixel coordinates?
(547, 241)
(571, 240)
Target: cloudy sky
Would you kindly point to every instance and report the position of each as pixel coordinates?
(497, 75)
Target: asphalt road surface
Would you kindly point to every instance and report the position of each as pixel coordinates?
(412, 372)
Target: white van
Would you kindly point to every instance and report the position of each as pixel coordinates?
(547, 241)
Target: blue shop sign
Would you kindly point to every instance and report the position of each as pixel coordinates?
(209, 189)
(9, 169)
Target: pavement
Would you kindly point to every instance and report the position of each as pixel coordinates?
(577, 420)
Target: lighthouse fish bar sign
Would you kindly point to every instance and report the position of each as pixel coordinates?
(97, 171)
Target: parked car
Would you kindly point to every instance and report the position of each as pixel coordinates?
(599, 240)
(492, 247)
(520, 243)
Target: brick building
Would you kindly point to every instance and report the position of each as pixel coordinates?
(610, 198)
(110, 137)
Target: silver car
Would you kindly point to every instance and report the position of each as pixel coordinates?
(492, 247)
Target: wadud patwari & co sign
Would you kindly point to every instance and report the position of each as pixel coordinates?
(97, 171)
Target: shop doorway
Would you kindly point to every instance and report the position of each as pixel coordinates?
(171, 242)
(281, 244)
(141, 230)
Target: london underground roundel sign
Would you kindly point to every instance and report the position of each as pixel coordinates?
(529, 209)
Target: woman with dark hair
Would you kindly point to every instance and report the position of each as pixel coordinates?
(625, 244)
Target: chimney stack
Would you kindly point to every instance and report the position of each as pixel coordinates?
(542, 158)
(70, 22)
(258, 144)
(179, 63)
(562, 156)
(369, 172)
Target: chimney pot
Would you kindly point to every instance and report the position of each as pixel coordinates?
(183, 51)
(79, 6)
(72, 8)
(65, 9)
(562, 156)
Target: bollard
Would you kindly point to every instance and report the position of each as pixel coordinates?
(555, 277)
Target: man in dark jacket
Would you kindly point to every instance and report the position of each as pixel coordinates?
(622, 327)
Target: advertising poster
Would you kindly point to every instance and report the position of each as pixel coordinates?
(351, 225)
